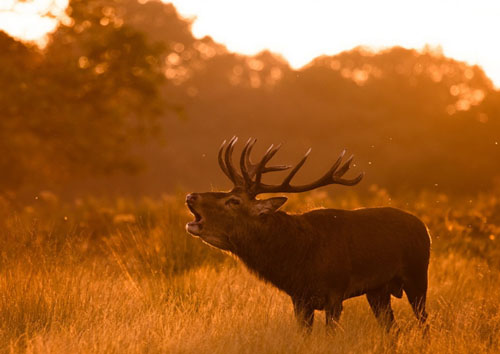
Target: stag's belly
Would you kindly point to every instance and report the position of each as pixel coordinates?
(374, 271)
(359, 286)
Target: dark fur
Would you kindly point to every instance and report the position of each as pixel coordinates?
(323, 257)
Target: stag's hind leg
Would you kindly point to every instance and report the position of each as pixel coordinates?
(380, 303)
(333, 310)
(415, 288)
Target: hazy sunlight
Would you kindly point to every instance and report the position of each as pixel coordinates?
(127, 227)
(301, 31)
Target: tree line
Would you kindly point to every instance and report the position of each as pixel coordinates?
(123, 86)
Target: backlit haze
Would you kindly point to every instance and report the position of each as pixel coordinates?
(465, 30)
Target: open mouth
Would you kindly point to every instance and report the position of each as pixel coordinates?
(194, 227)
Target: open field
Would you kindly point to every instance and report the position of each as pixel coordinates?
(119, 111)
(124, 277)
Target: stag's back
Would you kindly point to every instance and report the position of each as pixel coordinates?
(370, 246)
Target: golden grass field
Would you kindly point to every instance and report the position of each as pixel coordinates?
(121, 276)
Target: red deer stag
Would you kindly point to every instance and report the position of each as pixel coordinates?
(319, 258)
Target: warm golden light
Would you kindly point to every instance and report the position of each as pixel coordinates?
(302, 31)
(30, 20)
(124, 191)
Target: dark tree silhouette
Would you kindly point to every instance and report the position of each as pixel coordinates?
(78, 106)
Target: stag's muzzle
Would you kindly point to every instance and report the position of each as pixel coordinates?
(194, 227)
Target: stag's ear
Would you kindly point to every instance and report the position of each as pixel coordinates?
(268, 206)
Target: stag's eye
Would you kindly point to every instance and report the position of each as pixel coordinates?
(233, 201)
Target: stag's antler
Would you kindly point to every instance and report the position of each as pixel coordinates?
(251, 173)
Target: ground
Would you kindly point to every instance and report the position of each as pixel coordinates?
(123, 277)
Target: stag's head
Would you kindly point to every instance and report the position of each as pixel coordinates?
(222, 216)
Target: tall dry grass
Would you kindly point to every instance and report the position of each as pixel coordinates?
(123, 277)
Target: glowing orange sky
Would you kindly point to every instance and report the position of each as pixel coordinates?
(465, 29)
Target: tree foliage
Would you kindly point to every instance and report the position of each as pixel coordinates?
(117, 72)
(79, 105)
(414, 119)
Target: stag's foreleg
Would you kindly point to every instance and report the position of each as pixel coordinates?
(333, 310)
(304, 313)
(380, 303)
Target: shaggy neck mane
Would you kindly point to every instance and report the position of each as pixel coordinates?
(276, 248)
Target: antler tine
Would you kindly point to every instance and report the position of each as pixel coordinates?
(274, 168)
(221, 161)
(337, 176)
(249, 169)
(345, 167)
(350, 182)
(292, 173)
(228, 160)
(339, 160)
(245, 161)
(261, 166)
(332, 172)
(248, 162)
